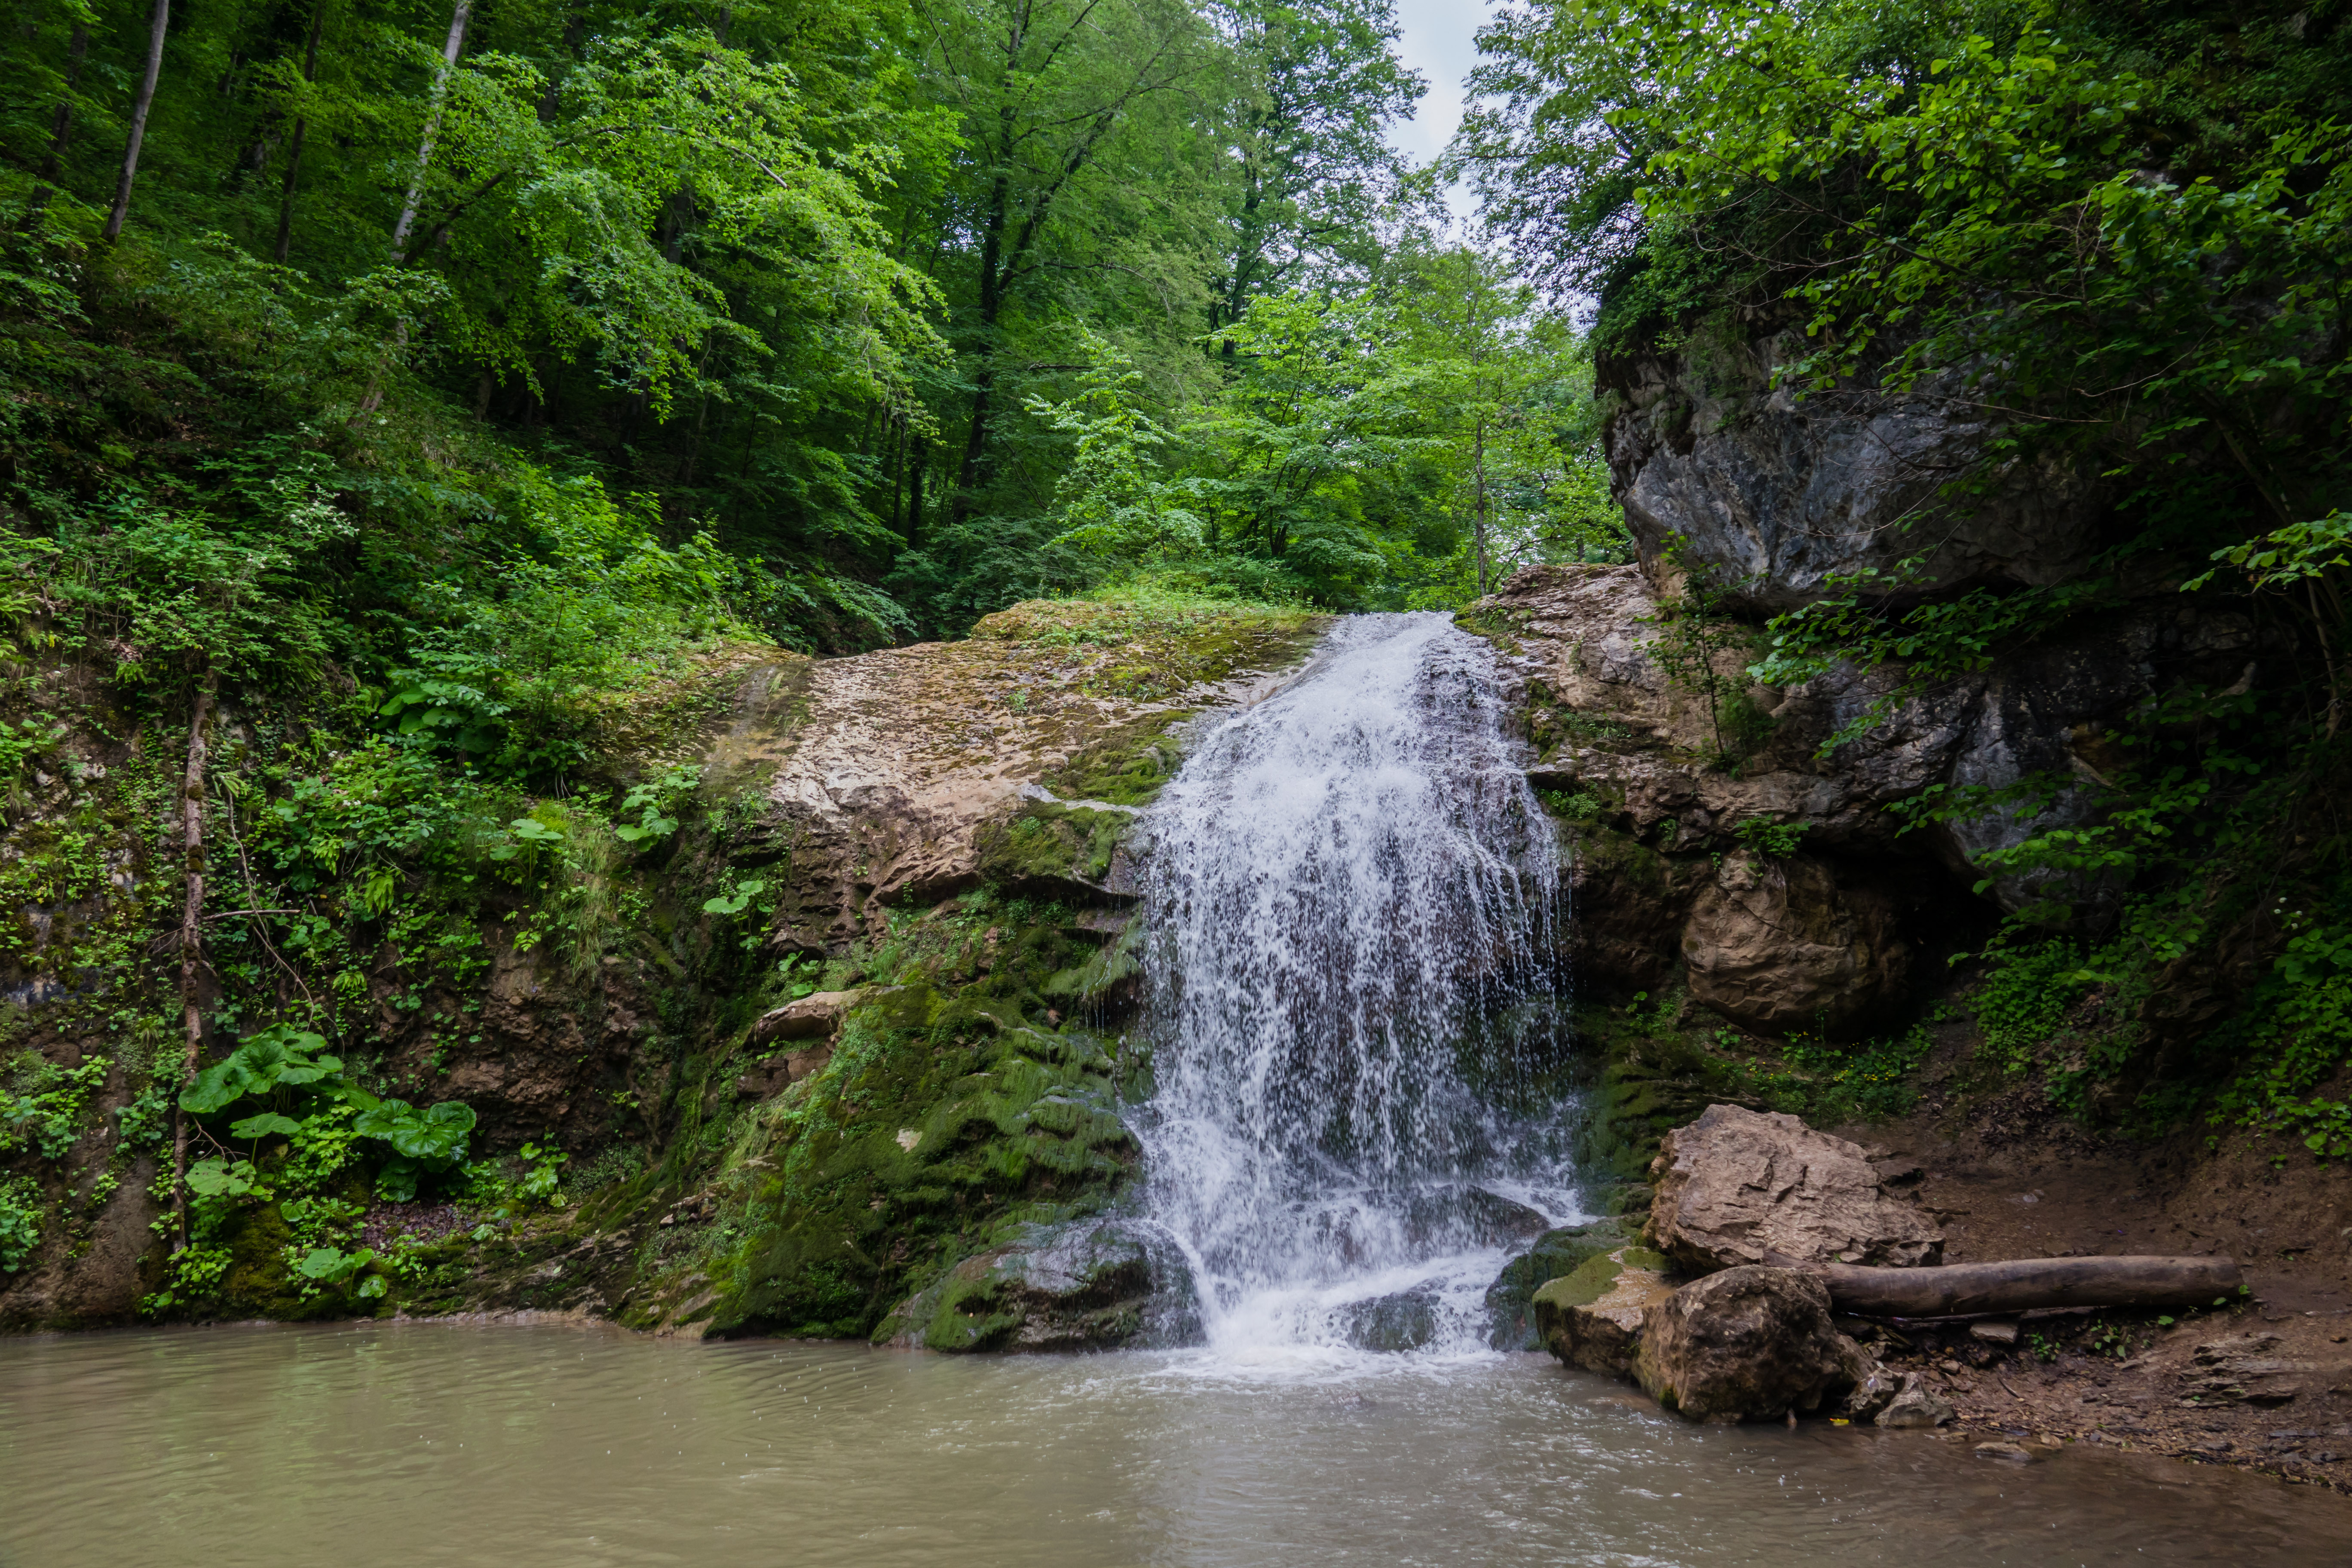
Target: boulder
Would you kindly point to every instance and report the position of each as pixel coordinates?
(1593, 1318)
(1747, 1342)
(1775, 946)
(805, 1018)
(1084, 1285)
(1554, 1254)
(1739, 1187)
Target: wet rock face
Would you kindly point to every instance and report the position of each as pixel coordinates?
(811, 1018)
(1746, 1343)
(1593, 1318)
(912, 775)
(1085, 1285)
(1612, 733)
(1777, 946)
(1405, 1320)
(1741, 1187)
(1780, 493)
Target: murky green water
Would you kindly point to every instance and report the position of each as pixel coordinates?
(515, 1446)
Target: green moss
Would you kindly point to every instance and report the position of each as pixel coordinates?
(1127, 767)
(1553, 1255)
(1598, 1275)
(950, 1110)
(1046, 846)
(1646, 1077)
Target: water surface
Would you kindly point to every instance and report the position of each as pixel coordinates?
(517, 1447)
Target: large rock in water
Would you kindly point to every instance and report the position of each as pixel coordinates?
(1747, 1343)
(1554, 1254)
(1738, 1187)
(1593, 1318)
(1085, 1285)
(1775, 946)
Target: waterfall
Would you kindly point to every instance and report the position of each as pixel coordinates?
(1350, 901)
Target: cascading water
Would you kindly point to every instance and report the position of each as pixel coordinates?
(1351, 901)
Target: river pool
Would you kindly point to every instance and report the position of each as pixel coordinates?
(517, 1446)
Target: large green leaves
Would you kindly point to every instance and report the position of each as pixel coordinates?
(280, 1053)
(435, 1133)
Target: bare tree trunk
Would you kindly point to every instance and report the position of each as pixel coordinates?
(1959, 1290)
(462, 14)
(915, 460)
(192, 917)
(294, 148)
(60, 127)
(1478, 530)
(158, 23)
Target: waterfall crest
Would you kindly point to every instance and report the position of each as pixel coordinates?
(1350, 901)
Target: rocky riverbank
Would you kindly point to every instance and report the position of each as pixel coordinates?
(1714, 1303)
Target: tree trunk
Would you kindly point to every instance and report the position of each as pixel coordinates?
(459, 16)
(158, 23)
(294, 145)
(60, 128)
(915, 460)
(192, 931)
(1478, 529)
(1959, 1289)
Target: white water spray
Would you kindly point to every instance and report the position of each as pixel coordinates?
(1351, 907)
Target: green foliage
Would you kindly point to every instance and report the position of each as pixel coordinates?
(1581, 806)
(146, 1123)
(190, 1275)
(1772, 840)
(42, 1105)
(424, 1143)
(21, 1212)
(280, 1053)
(2123, 240)
(1872, 1080)
(736, 898)
(1108, 502)
(20, 741)
(539, 1184)
(647, 800)
(2295, 1035)
(2028, 990)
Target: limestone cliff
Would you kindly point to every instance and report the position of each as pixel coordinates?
(1779, 494)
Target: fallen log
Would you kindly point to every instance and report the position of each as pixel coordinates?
(1959, 1289)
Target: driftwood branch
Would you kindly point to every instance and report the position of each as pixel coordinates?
(1959, 1289)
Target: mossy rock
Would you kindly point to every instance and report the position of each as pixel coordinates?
(1644, 1083)
(1555, 1253)
(1592, 1319)
(1051, 851)
(1598, 1275)
(945, 1120)
(1089, 1284)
